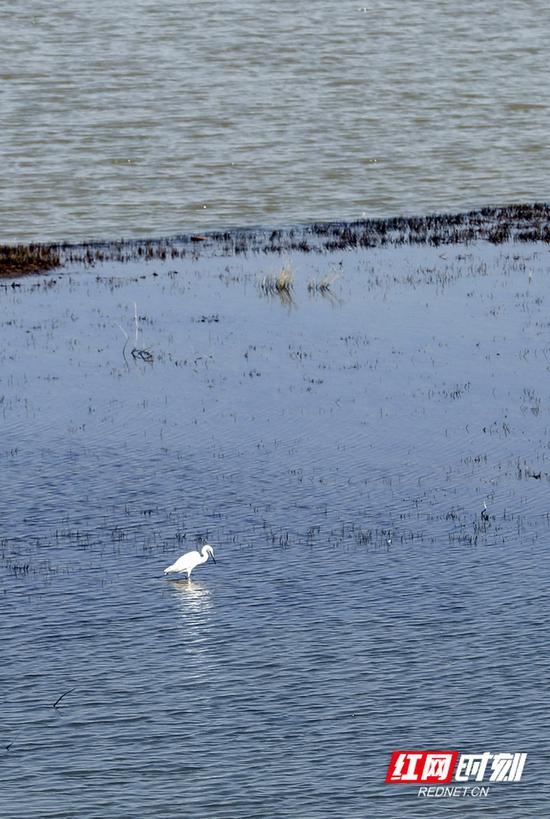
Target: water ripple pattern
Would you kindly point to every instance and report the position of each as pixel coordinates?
(161, 118)
(336, 446)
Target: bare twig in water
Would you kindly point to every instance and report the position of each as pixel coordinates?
(58, 700)
(136, 323)
(137, 352)
(126, 336)
(10, 744)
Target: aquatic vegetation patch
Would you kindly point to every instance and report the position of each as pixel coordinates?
(324, 283)
(283, 282)
(515, 222)
(280, 284)
(21, 260)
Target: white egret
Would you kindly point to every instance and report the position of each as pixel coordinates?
(188, 561)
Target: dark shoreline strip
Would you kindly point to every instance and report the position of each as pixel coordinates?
(521, 223)
(22, 260)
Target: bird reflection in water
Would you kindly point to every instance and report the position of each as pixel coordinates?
(195, 598)
(195, 624)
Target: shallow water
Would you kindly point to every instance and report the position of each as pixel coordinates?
(154, 119)
(297, 437)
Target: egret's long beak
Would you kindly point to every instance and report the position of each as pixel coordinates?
(213, 558)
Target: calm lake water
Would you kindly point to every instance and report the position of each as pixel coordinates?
(153, 119)
(298, 436)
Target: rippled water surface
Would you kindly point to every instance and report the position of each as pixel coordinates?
(143, 118)
(336, 449)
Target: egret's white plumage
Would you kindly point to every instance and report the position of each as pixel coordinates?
(188, 561)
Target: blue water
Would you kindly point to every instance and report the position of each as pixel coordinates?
(298, 438)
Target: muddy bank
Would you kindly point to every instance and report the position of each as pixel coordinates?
(21, 260)
(522, 223)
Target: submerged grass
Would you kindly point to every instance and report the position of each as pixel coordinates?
(323, 284)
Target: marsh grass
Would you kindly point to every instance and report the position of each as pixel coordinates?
(21, 260)
(280, 285)
(283, 282)
(324, 284)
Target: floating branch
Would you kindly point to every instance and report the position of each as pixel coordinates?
(56, 703)
(10, 744)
